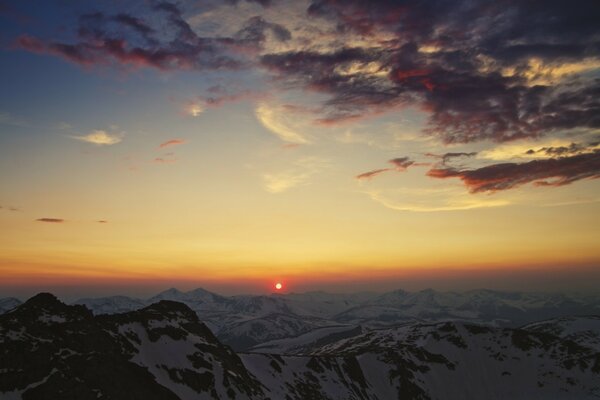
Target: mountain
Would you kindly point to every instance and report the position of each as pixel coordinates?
(197, 299)
(306, 342)
(52, 350)
(246, 333)
(582, 329)
(111, 305)
(8, 303)
(245, 322)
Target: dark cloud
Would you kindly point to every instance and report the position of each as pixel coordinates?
(447, 157)
(264, 3)
(138, 26)
(102, 221)
(162, 39)
(255, 29)
(461, 80)
(371, 174)
(51, 220)
(553, 151)
(400, 164)
(548, 172)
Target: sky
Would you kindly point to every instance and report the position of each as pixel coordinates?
(327, 145)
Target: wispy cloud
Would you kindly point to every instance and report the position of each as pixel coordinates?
(172, 142)
(51, 220)
(432, 199)
(372, 174)
(299, 174)
(100, 137)
(282, 181)
(281, 121)
(400, 164)
(193, 108)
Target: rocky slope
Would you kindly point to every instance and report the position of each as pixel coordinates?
(52, 350)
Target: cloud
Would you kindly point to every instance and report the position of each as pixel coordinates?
(545, 172)
(371, 174)
(172, 142)
(281, 121)
(13, 209)
(51, 220)
(573, 148)
(253, 34)
(530, 76)
(446, 158)
(300, 173)
(400, 164)
(160, 39)
(102, 221)
(431, 199)
(282, 181)
(194, 108)
(100, 137)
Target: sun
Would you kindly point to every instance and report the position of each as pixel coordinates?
(278, 286)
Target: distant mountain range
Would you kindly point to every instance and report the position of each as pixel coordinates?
(244, 322)
(50, 350)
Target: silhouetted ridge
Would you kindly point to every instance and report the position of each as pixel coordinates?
(168, 307)
(47, 303)
(43, 299)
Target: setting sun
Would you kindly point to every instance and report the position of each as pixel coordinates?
(278, 286)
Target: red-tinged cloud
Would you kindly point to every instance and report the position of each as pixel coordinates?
(159, 38)
(51, 220)
(448, 157)
(172, 142)
(371, 174)
(476, 83)
(547, 172)
(400, 164)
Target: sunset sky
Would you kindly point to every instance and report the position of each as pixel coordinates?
(330, 145)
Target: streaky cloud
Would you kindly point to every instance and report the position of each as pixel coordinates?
(545, 172)
(51, 220)
(172, 142)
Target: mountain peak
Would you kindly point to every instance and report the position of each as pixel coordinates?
(49, 304)
(166, 307)
(43, 298)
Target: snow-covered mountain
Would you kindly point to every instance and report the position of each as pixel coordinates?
(248, 321)
(8, 303)
(52, 350)
(583, 329)
(112, 304)
(246, 333)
